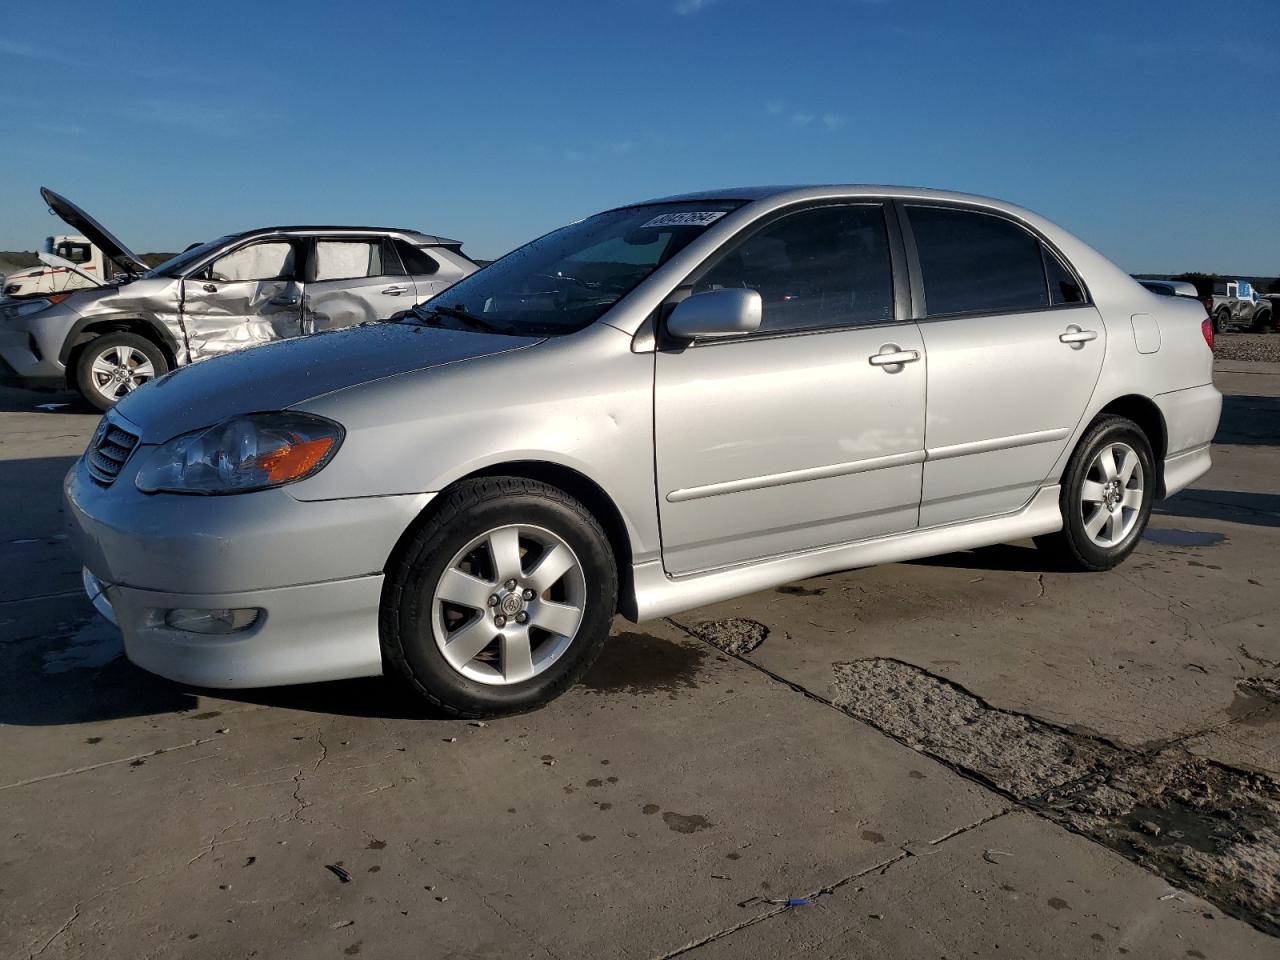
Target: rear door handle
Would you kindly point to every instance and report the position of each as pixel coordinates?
(1074, 335)
(894, 358)
(395, 291)
(284, 301)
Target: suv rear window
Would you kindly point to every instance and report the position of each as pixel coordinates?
(976, 262)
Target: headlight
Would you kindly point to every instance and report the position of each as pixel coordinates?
(25, 308)
(253, 452)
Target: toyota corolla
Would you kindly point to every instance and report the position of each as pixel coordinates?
(660, 406)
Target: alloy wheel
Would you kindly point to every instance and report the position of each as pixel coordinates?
(120, 369)
(509, 604)
(1111, 494)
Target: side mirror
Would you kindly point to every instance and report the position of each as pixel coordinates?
(716, 313)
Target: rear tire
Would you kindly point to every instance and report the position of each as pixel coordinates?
(473, 621)
(1107, 492)
(1265, 323)
(114, 365)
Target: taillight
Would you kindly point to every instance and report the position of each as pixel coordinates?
(1206, 327)
(1208, 304)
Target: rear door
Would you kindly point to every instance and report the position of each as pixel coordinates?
(794, 437)
(1014, 354)
(251, 294)
(354, 280)
(422, 268)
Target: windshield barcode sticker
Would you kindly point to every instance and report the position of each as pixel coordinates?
(701, 218)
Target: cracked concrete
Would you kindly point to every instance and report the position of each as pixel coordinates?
(134, 827)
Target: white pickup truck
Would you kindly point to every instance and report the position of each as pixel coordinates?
(48, 278)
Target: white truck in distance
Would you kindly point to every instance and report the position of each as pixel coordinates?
(56, 279)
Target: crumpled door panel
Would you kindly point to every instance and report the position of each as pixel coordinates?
(240, 314)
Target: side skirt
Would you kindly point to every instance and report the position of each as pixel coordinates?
(655, 594)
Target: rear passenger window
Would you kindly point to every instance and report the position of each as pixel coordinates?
(416, 261)
(824, 267)
(348, 259)
(1063, 286)
(974, 262)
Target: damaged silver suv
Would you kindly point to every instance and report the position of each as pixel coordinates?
(239, 290)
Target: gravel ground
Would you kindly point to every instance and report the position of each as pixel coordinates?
(1247, 346)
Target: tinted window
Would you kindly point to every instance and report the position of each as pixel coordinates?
(818, 268)
(1065, 288)
(975, 262)
(272, 260)
(416, 260)
(390, 266)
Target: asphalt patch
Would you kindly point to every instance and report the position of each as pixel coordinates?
(737, 636)
(1203, 826)
(1018, 755)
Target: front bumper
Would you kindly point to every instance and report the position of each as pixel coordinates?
(30, 347)
(314, 569)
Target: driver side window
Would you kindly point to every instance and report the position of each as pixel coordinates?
(271, 260)
(824, 267)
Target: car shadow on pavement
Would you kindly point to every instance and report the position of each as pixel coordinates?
(1249, 421)
(18, 400)
(1258, 509)
(1011, 557)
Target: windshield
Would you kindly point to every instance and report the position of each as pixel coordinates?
(568, 279)
(175, 266)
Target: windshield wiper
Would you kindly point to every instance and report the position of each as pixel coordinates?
(457, 313)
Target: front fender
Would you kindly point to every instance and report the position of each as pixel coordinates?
(583, 402)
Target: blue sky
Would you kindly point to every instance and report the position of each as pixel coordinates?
(1152, 129)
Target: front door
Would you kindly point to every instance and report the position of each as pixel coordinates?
(248, 296)
(1014, 354)
(355, 280)
(793, 437)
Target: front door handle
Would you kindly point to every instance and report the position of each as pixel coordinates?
(395, 291)
(1077, 337)
(284, 301)
(893, 358)
(210, 288)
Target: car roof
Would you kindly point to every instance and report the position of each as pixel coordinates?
(414, 236)
(801, 192)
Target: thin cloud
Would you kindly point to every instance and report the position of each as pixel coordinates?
(687, 7)
(802, 119)
(774, 107)
(832, 121)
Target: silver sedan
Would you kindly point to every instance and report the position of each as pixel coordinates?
(660, 406)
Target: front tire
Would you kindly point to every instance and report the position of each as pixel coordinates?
(116, 364)
(501, 600)
(1221, 321)
(1107, 492)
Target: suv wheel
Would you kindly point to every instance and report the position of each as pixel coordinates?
(115, 364)
(1265, 323)
(1107, 491)
(502, 600)
(1221, 321)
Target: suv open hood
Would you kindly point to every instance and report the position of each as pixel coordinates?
(97, 234)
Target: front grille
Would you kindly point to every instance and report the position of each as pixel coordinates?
(108, 451)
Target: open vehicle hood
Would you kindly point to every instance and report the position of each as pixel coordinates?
(97, 234)
(276, 376)
(52, 260)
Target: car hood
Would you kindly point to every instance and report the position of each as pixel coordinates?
(96, 233)
(279, 375)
